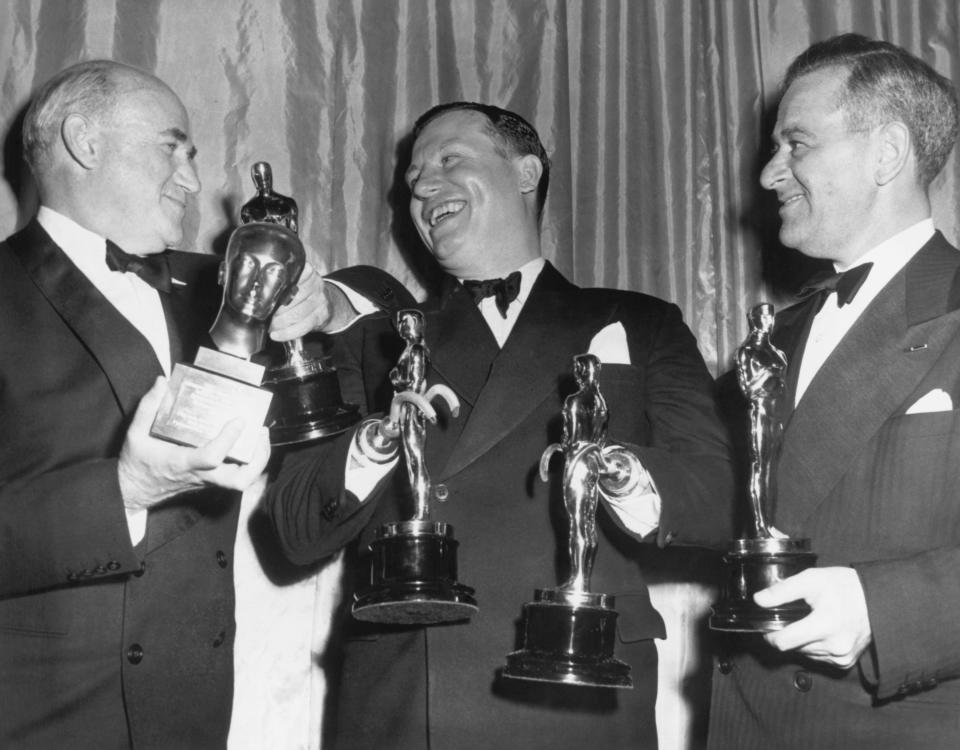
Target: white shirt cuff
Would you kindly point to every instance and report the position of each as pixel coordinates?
(361, 474)
(637, 513)
(136, 524)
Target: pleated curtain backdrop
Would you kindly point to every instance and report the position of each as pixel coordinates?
(653, 110)
(656, 114)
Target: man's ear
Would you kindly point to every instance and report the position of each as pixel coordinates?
(80, 139)
(895, 148)
(529, 169)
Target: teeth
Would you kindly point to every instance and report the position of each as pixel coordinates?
(445, 209)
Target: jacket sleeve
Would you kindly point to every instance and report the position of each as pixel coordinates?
(686, 447)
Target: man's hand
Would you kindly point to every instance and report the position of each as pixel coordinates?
(837, 630)
(151, 470)
(311, 309)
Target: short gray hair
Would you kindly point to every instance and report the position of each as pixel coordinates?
(886, 83)
(90, 88)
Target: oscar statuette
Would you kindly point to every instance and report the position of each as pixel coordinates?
(413, 573)
(307, 403)
(568, 633)
(765, 556)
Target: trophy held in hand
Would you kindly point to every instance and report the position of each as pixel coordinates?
(413, 574)
(765, 556)
(307, 403)
(259, 272)
(569, 632)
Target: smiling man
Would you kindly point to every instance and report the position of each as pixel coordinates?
(503, 334)
(870, 468)
(116, 573)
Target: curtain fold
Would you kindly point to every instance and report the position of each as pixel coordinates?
(655, 113)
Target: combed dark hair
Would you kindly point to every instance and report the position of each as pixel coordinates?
(516, 136)
(89, 88)
(886, 83)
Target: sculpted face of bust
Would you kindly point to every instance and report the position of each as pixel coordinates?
(262, 264)
(259, 273)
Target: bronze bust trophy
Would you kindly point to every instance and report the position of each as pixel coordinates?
(259, 272)
(413, 572)
(765, 556)
(568, 633)
(307, 403)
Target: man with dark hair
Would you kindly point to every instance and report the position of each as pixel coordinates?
(502, 335)
(870, 466)
(116, 577)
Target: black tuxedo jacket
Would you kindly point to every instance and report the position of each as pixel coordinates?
(102, 644)
(875, 487)
(407, 687)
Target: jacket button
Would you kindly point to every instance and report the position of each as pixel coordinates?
(802, 681)
(221, 558)
(929, 683)
(113, 565)
(725, 666)
(135, 654)
(143, 567)
(441, 492)
(100, 570)
(218, 641)
(71, 576)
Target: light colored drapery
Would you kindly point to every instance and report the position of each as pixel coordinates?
(655, 113)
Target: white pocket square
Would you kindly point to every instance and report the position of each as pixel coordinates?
(936, 400)
(610, 345)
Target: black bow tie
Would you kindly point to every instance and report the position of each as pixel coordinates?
(153, 269)
(503, 290)
(845, 284)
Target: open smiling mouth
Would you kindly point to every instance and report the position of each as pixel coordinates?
(444, 211)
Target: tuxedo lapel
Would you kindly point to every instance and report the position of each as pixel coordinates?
(460, 342)
(867, 379)
(535, 358)
(126, 358)
(793, 329)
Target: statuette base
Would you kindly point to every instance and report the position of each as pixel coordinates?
(307, 403)
(413, 577)
(753, 565)
(568, 638)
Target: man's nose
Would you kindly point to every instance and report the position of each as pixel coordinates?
(426, 185)
(188, 178)
(774, 170)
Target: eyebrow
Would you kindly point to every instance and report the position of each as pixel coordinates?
(180, 137)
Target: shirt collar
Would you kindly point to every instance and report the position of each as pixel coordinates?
(890, 256)
(529, 272)
(84, 248)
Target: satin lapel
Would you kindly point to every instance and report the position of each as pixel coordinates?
(189, 310)
(866, 380)
(460, 343)
(126, 358)
(790, 335)
(192, 304)
(461, 349)
(536, 358)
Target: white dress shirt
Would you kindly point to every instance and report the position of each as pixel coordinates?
(832, 323)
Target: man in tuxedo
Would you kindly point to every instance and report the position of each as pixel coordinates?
(502, 335)
(870, 467)
(116, 580)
